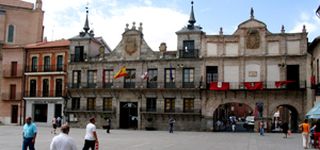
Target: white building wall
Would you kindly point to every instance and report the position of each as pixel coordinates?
(273, 48)
(252, 73)
(212, 49)
(293, 47)
(232, 49)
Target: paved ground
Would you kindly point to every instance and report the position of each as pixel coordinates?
(11, 139)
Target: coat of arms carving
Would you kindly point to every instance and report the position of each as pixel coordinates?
(131, 45)
(253, 39)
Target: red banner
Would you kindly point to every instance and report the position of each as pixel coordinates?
(281, 83)
(253, 85)
(219, 86)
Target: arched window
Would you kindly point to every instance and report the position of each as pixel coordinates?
(10, 33)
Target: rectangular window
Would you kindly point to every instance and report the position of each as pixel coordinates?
(33, 88)
(152, 78)
(92, 78)
(60, 63)
(14, 68)
(188, 105)
(76, 78)
(169, 105)
(45, 88)
(78, 54)
(188, 78)
(34, 64)
(108, 78)
(151, 104)
(10, 34)
(170, 77)
(75, 105)
(12, 91)
(58, 87)
(91, 103)
(188, 50)
(212, 75)
(129, 80)
(46, 66)
(107, 104)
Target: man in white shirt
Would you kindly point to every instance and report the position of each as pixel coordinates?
(63, 141)
(91, 138)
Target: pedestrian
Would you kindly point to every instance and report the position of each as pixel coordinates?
(59, 121)
(261, 128)
(54, 125)
(29, 134)
(305, 133)
(63, 141)
(285, 128)
(233, 123)
(91, 137)
(108, 125)
(218, 124)
(171, 122)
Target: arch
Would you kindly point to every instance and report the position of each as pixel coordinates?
(224, 110)
(285, 113)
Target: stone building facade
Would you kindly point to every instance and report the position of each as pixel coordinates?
(209, 77)
(21, 23)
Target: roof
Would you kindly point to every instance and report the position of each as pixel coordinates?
(58, 43)
(17, 3)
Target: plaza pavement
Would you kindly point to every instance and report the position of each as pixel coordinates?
(11, 139)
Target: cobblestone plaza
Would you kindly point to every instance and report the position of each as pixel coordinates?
(11, 139)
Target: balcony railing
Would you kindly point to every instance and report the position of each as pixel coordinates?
(12, 96)
(266, 85)
(77, 58)
(9, 72)
(40, 93)
(190, 53)
(46, 68)
(144, 84)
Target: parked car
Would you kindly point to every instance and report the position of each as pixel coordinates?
(249, 123)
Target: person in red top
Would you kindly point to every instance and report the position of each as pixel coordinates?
(305, 133)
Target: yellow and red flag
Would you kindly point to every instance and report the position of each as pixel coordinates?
(121, 73)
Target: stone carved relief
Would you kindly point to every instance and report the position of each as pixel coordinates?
(131, 45)
(253, 39)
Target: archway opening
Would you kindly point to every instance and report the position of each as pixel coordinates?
(222, 116)
(285, 114)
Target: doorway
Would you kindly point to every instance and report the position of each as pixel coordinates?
(40, 112)
(128, 115)
(293, 75)
(14, 114)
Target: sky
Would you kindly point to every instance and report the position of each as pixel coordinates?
(162, 18)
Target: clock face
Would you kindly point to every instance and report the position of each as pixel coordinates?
(131, 45)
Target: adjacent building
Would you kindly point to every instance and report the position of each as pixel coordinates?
(21, 23)
(45, 76)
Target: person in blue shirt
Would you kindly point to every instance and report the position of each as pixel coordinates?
(29, 134)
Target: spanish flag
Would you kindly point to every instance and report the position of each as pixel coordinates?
(122, 72)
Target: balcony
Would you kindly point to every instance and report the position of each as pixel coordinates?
(78, 58)
(190, 53)
(271, 85)
(12, 96)
(135, 85)
(9, 72)
(46, 68)
(40, 93)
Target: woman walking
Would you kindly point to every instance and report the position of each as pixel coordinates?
(305, 133)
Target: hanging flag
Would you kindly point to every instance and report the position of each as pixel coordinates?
(279, 84)
(144, 75)
(121, 73)
(253, 85)
(219, 86)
